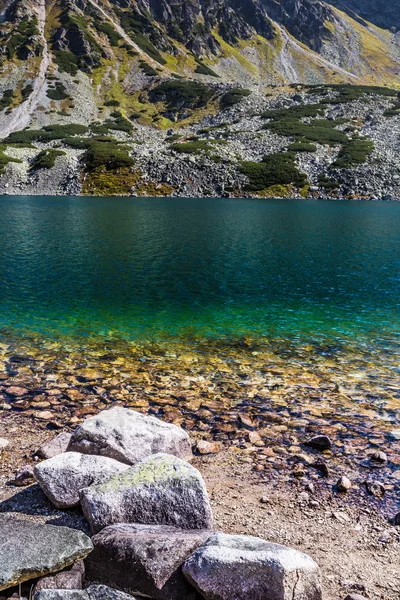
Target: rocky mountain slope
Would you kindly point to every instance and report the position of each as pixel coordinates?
(105, 85)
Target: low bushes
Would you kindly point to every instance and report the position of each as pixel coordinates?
(233, 97)
(274, 169)
(58, 92)
(7, 99)
(46, 159)
(354, 152)
(302, 147)
(182, 94)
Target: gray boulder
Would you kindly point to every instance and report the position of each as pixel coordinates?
(56, 446)
(61, 595)
(93, 592)
(62, 477)
(69, 579)
(29, 550)
(129, 436)
(103, 592)
(236, 567)
(161, 490)
(145, 559)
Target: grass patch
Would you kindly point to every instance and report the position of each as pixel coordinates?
(5, 160)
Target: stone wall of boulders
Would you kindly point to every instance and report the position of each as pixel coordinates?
(152, 525)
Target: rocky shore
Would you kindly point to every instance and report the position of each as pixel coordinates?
(151, 521)
(298, 479)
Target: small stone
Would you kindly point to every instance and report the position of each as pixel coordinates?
(264, 499)
(322, 467)
(24, 476)
(103, 592)
(355, 597)
(246, 421)
(66, 580)
(378, 457)
(254, 437)
(204, 447)
(395, 434)
(320, 442)
(61, 595)
(56, 446)
(396, 520)
(3, 444)
(343, 484)
(44, 415)
(17, 391)
(375, 488)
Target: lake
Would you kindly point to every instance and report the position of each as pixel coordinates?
(200, 268)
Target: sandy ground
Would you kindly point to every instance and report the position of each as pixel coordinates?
(356, 547)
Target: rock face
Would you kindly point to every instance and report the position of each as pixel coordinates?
(161, 490)
(129, 436)
(230, 567)
(29, 550)
(145, 559)
(56, 446)
(62, 477)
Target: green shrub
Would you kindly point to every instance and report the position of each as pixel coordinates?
(302, 147)
(46, 159)
(294, 112)
(147, 69)
(354, 152)
(320, 131)
(4, 159)
(66, 61)
(202, 69)
(233, 97)
(274, 169)
(107, 155)
(58, 92)
(327, 183)
(26, 92)
(7, 99)
(194, 147)
(182, 94)
(111, 33)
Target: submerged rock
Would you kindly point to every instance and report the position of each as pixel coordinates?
(129, 436)
(62, 477)
(145, 559)
(29, 550)
(161, 490)
(238, 567)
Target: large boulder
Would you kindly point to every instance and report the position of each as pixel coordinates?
(145, 559)
(62, 477)
(129, 436)
(57, 445)
(29, 550)
(93, 592)
(236, 567)
(161, 490)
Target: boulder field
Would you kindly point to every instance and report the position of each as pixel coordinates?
(152, 525)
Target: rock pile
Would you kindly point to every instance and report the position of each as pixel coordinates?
(151, 517)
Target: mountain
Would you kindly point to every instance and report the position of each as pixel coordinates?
(113, 69)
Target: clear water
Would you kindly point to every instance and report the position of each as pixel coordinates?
(200, 268)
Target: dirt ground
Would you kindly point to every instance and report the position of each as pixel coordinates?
(355, 545)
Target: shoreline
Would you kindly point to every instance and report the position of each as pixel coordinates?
(297, 198)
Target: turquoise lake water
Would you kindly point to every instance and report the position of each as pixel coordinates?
(200, 268)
